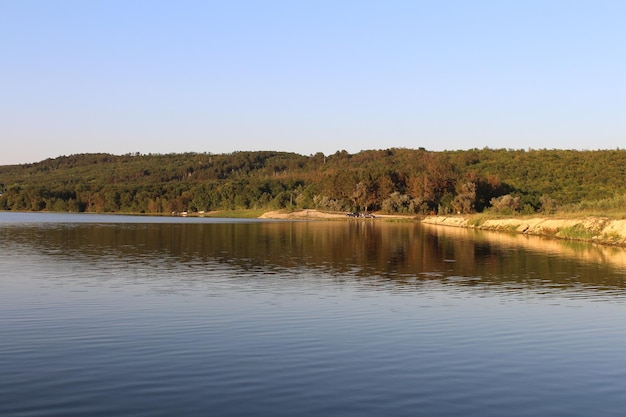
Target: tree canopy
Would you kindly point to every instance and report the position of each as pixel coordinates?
(393, 180)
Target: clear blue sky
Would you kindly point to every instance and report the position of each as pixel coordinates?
(309, 76)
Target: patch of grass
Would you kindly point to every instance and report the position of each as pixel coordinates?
(608, 214)
(477, 220)
(613, 207)
(578, 232)
(612, 236)
(238, 214)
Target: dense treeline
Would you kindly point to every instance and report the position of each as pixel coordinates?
(392, 180)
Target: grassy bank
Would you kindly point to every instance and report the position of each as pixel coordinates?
(236, 214)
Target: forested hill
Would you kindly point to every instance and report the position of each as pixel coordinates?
(392, 180)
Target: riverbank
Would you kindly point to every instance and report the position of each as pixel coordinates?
(311, 214)
(596, 229)
(590, 229)
(301, 214)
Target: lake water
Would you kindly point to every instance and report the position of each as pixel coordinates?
(143, 316)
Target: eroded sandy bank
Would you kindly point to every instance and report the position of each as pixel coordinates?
(594, 229)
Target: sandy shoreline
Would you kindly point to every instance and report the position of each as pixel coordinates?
(312, 214)
(301, 214)
(593, 229)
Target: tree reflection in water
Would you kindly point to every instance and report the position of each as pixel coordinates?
(401, 253)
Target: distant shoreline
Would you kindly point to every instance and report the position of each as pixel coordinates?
(594, 229)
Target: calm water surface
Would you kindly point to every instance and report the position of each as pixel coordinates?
(139, 316)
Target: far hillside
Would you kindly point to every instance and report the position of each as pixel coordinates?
(405, 181)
